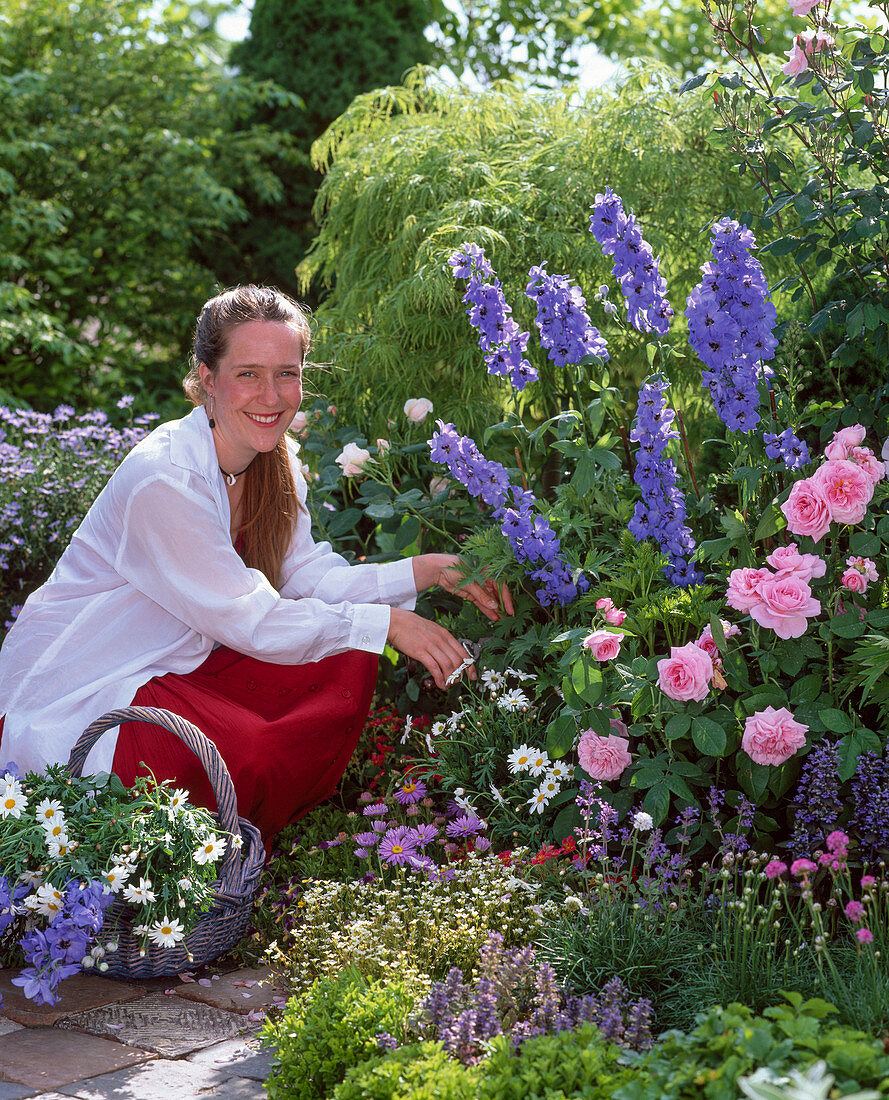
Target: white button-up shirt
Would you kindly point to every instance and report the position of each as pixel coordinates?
(151, 582)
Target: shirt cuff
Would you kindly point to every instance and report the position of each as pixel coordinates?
(396, 584)
(370, 627)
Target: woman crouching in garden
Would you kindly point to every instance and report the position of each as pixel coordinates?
(194, 585)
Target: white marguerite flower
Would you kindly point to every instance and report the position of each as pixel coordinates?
(54, 829)
(13, 801)
(47, 900)
(115, 879)
(512, 700)
(520, 676)
(141, 894)
(519, 760)
(497, 796)
(539, 762)
(551, 787)
(211, 849)
(437, 728)
(538, 800)
(166, 932)
(178, 799)
(492, 680)
(558, 771)
(50, 811)
(408, 726)
(59, 846)
(643, 821)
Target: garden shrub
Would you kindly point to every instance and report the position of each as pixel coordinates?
(419, 1071)
(730, 1042)
(334, 1026)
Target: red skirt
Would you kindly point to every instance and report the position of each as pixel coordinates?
(286, 732)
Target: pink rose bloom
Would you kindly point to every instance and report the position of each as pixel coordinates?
(686, 673)
(603, 758)
(743, 588)
(863, 565)
(786, 604)
(772, 736)
(416, 409)
(864, 935)
(868, 461)
(844, 442)
(384, 445)
(351, 460)
(620, 728)
(854, 581)
(707, 643)
(615, 616)
(803, 867)
(788, 559)
(299, 423)
(815, 41)
(603, 645)
(807, 510)
(796, 62)
(846, 488)
(604, 603)
(803, 7)
(775, 868)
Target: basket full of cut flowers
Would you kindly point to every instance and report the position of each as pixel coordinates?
(135, 882)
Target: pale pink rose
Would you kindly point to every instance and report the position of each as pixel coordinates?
(743, 588)
(615, 616)
(707, 643)
(797, 62)
(806, 510)
(603, 758)
(803, 7)
(351, 459)
(686, 673)
(416, 409)
(786, 604)
(438, 485)
(620, 728)
(384, 445)
(868, 461)
(884, 454)
(854, 581)
(603, 645)
(846, 488)
(772, 736)
(844, 440)
(299, 423)
(604, 603)
(815, 41)
(863, 565)
(788, 559)
(332, 410)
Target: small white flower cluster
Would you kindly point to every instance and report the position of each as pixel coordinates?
(527, 758)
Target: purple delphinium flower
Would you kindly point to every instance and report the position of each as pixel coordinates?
(661, 513)
(562, 320)
(635, 266)
(533, 541)
(793, 452)
(499, 336)
(730, 320)
(816, 802)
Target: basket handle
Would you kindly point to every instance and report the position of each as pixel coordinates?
(188, 734)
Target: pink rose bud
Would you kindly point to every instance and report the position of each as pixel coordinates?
(603, 758)
(844, 441)
(299, 422)
(604, 604)
(603, 645)
(615, 616)
(773, 736)
(807, 510)
(686, 674)
(416, 409)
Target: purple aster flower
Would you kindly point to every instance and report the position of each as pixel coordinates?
(464, 826)
(366, 840)
(424, 834)
(397, 846)
(375, 809)
(410, 791)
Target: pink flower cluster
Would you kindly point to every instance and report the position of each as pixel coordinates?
(772, 736)
(612, 614)
(837, 851)
(605, 758)
(860, 573)
(781, 600)
(804, 46)
(839, 491)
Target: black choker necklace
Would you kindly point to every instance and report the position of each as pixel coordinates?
(232, 478)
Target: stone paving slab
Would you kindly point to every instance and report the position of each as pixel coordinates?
(158, 1079)
(244, 991)
(47, 1058)
(76, 994)
(167, 1025)
(15, 1092)
(6, 1026)
(240, 1058)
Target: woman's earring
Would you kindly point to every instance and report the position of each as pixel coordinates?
(210, 414)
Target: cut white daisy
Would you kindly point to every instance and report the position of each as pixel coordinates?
(48, 901)
(12, 802)
(166, 932)
(539, 762)
(519, 760)
(178, 799)
(115, 879)
(538, 800)
(141, 894)
(210, 850)
(238, 841)
(50, 811)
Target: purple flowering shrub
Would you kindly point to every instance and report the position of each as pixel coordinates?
(52, 467)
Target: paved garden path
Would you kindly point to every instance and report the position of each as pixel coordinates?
(160, 1039)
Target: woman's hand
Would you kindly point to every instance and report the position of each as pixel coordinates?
(430, 644)
(446, 570)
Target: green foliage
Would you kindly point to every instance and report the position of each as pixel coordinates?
(421, 1071)
(325, 54)
(730, 1042)
(334, 1026)
(118, 158)
(413, 171)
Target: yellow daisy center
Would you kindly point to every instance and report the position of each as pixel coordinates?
(9, 804)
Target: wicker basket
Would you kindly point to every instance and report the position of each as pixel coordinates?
(221, 927)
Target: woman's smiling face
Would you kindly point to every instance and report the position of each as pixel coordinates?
(256, 390)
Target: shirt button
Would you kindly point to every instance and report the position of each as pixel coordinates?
(347, 694)
(283, 691)
(251, 685)
(365, 640)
